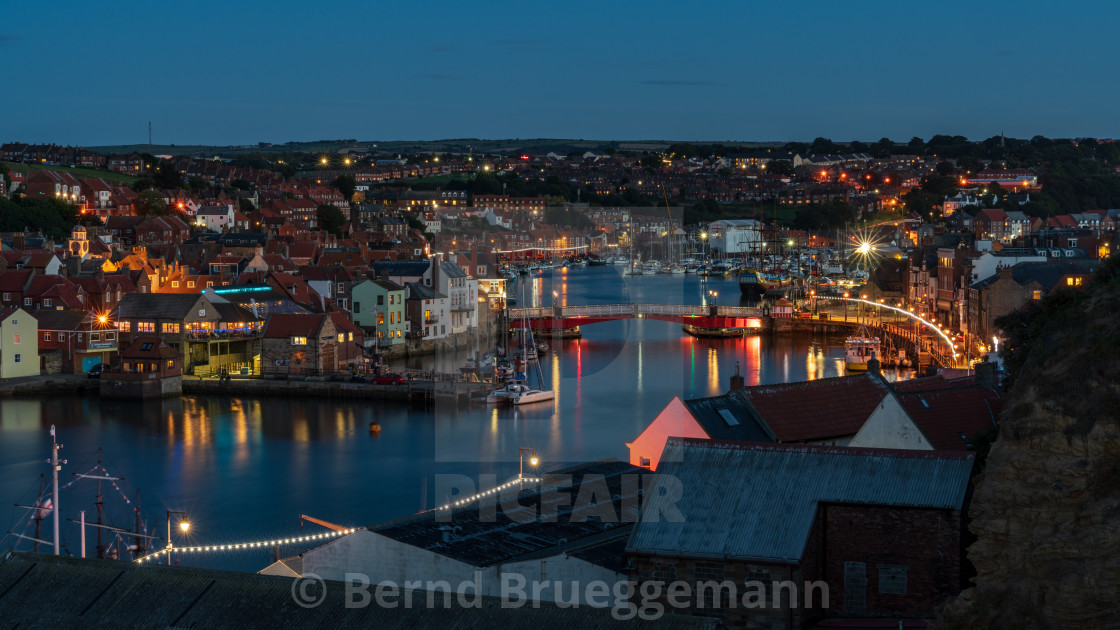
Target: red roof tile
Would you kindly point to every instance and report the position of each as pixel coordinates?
(284, 325)
(817, 410)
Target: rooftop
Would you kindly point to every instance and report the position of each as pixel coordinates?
(758, 501)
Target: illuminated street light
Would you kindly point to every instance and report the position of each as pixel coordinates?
(184, 526)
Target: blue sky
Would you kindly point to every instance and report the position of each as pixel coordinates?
(239, 72)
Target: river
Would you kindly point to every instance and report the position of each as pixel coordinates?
(244, 469)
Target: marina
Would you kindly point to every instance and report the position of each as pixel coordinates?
(220, 454)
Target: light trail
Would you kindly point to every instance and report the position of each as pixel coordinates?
(932, 326)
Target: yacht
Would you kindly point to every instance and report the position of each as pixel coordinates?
(505, 395)
(528, 396)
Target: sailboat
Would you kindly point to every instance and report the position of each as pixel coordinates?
(517, 391)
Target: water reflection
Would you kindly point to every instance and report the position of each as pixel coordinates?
(246, 466)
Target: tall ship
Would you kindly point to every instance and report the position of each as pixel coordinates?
(754, 283)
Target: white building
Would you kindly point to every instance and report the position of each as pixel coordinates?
(461, 290)
(216, 218)
(735, 236)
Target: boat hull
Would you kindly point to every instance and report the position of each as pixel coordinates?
(534, 397)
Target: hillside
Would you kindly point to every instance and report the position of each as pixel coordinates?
(1046, 511)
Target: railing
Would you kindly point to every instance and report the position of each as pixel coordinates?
(633, 310)
(221, 335)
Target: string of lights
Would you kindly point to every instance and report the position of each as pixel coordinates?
(490, 492)
(260, 544)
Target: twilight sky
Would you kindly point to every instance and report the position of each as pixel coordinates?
(241, 71)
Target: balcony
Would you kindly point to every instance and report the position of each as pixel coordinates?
(225, 334)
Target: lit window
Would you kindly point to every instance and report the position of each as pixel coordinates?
(170, 328)
(341, 337)
(299, 341)
(1037, 295)
(145, 327)
(381, 319)
(124, 326)
(174, 284)
(15, 339)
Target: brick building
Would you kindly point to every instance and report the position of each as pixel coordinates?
(882, 529)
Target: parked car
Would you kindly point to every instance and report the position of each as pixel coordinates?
(95, 371)
(389, 379)
(357, 378)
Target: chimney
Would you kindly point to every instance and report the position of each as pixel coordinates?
(736, 379)
(986, 375)
(875, 367)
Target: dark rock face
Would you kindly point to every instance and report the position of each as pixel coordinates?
(1046, 511)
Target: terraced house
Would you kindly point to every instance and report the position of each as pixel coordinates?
(378, 308)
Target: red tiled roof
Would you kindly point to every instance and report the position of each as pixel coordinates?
(284, 325)
(817, 410)
(15, 279)
(945, 414)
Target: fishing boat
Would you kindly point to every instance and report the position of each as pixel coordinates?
(542, 347)
(860, 349)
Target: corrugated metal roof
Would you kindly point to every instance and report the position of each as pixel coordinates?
(41, 591)
(758, 501)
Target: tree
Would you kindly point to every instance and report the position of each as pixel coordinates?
(346, 185)
(245, 206)
(197, 184)
(240, 184)
(165, 175)
(53, 217)
(331, 218)
(150, 203)
(780, 167)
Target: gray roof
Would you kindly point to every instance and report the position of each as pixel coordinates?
(758, 501)
(157, 305)
(1046, 274)
(54, 319)
(402, 267)
(417, 291)
(451, 270)
(42, 591)
(509, 535)
(712, 414)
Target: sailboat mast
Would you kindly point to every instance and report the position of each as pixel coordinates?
(100, 509)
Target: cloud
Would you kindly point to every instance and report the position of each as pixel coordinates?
(518, 44)
(435, 76)
(677, 82)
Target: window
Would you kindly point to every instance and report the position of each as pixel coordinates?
(350, 336)
(170, 328)
(46, 336)
(379, 334)
(95, 336)
(341, 337)
(79, 337)
(19, 358)
(855, 587)
(357, 308)
(174, 284)
(644, 462)
(892, 579)
(124, 326)
(1036, 295)
(146, 346)
(110, 336)
(171, 363)
(7, 297)
(380, 300)
(62, 336)
(190, 284)
(27, 301)
(381, 319)
(145, 327)
(209, 284)
(299, 341)
(15, 339)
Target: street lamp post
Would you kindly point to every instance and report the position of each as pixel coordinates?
(534, 461)
(184, 526)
